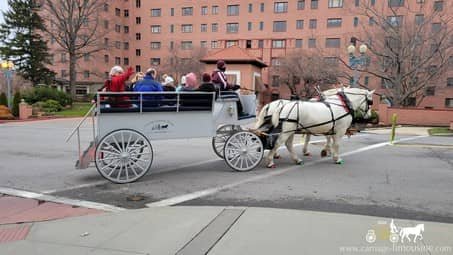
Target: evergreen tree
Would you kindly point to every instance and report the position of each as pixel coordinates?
(16, 102)
(3, 99)
(23, 43)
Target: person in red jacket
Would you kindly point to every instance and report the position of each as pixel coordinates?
(117, 83)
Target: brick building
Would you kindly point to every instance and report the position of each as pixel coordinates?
(144, 33)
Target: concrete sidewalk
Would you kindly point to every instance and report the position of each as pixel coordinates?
(220, 230)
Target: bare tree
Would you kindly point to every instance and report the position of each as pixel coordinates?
(308, 69)
(409, 45)
(179, 62)
(75, 25)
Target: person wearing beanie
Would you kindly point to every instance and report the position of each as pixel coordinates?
(220, 82)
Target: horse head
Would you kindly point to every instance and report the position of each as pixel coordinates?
(361, 100)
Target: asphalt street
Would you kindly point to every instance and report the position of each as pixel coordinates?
(411, 180)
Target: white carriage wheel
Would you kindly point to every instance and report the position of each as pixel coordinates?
(243, 151)
(222, 135)
(123, 156)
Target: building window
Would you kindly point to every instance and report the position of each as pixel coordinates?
(172, 45)
(118, 44)
(336, 22)
(106, 7)
(430, 91)
(395, 21)
(367, 79)
(332, 42)
(261, 7)
(203, 44)
(155, 61)
(312, 43)
(448, 102)
(450, 82)
(215, 10)
(248, 44)
(357, 3)
(186, 28)
(126, 13)
(230, 43)
(396, 3)
(371, 21)
(138, 3)
(106, 42)
(260, 44)
(204, 27)
(138, 20)
(299, 43)
(250, 8)
(138, 52)
(63, 58)
(438, 5)
(275, 62)
(356, 21)
(82, 90)
(281, 7)
(373, 2)
(156, 12)
(278, 44)
(138, 36)
(138, 68)
(117, 61)
(410, 101)
(155, 29)
(232, 27)
(275, 81)
(106, 58)
(186, 45)
(117, 12)
(172, 12)
(64, 73)
(436, 27)
(279, 26)
(261, 25)
(86, 74)
(214, 44)
(172, 28)
(126, 29)
(233, 10)
(106, 24)
(204, 10)
(420, 1)
(126, 45)
(300, 24)
(301, 4)
(249, 26)
(314, 4)
(313, 24)
(419, 19)
(155, 45)
(335, 3)
(126, 61)
(186, 11)
(214, 27)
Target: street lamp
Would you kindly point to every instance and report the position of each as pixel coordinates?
(7, 68)
(355, 62)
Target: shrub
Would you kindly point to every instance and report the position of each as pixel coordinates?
(16, 102)
(48, 106)
(374, 117)
(45, 93)
(3, 99)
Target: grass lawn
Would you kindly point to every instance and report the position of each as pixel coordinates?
(77, 110)
(440, 131)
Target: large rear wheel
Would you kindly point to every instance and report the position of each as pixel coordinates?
(243, 151)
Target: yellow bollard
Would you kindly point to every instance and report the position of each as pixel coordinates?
(392, 136)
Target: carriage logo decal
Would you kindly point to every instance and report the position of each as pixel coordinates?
(159, 126)
(395, 234)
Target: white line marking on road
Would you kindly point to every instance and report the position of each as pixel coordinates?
(207, 192)
(61, 200)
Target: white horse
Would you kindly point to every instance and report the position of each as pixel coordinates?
(416, 231)
(330, 117)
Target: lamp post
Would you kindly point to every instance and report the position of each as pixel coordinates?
(7, 68)
(355, 62)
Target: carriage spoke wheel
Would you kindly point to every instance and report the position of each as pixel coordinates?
(123, 156)
(222, 135)
(243, 151)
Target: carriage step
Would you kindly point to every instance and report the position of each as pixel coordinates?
(86, 157)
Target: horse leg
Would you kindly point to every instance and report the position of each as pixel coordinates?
(270, 156)
(335, 146)
(289, 146)
(307, 141)
(326, 150)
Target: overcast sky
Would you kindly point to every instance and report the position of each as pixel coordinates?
(3, 7)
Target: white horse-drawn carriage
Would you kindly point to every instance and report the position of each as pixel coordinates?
(126, 124)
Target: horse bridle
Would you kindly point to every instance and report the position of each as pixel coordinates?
(368, 102)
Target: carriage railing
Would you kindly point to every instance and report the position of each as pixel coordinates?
(90, 113)
(139, 102)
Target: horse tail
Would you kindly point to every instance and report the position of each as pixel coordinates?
(261, 116)
(276, 116)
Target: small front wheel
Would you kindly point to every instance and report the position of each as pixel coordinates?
(243, 151)
(222, 135)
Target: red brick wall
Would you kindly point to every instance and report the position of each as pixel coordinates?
(416, 116)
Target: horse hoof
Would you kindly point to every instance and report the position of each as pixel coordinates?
(339, 162)
(299, 162)
(323, 153)
(307, 154)
(271, 165)
(276, 156)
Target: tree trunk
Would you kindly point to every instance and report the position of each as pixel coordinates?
(72, 73)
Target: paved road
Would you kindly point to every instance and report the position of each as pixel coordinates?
(412, 180)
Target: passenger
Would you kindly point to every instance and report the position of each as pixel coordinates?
(168, 83)
(219, 80)
(182, 84)
(138, 77)
(191, 82)
(148, 84)
(206, 85)
(118, 78)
